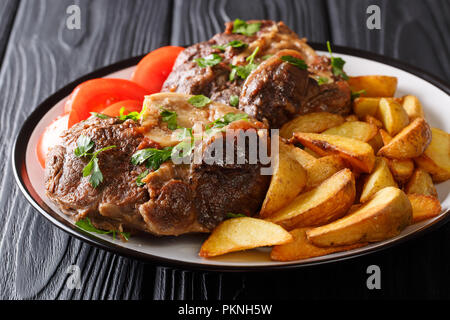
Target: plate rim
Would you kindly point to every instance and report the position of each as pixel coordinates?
(21, 176)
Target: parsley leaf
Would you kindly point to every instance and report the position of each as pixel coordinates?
(242, 71)
(140, 177)
(92, 169)
(356, 94)
(132, 115)
(233, 43)
(247, 29)
(170, 117)
(199, 101)
(337, 64)
(86, 225)
(235, 215)
(100, 115)
(251, 57)
(154, 157)
(226, 120)
(299, 63)
(209, 61)
(234, 101)
(84, 144)
(267, 56)
(322, 80)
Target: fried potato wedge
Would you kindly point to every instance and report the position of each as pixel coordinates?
(241, 234)
(412, 106)
(300, 248)
(383, 217)
(351, 117)
(421, 183)
(288, 180)
(401, 169)
(312, 122)
(358, 153)
(392, 115)
(365, 106)
(376, 142)
(374, 86)
(321, 169)
(303, 157)
(380, 178)
(424, 207)
(411, 142)
(386, 137)
(325, 203)
(372, 120)
(436, 158)
(354, 129)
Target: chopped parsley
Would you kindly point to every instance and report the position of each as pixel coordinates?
(233, 44)
(199, 101)
(231, 215)
(152, 156)
(357, 94)
(226, 120)
(247, 29)
(244, 71)
(209, 61)
(141, 176)
(100, 115)
(86, 225)
(92, 169)
(251, 57)
(84, 144)
(132, 115)
(267, 56)
(299, 63)
(337, 64)
(322, 80)
(170, 117)
(234, 101)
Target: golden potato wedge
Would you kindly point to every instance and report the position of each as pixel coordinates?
(351, 117)
(413, 108)
(424, 207)
(321, 169)
(374, 86)
(380, 178)
(386, 137)
(383, 217)
(372, 120)
(421, 183)
(241, 234)
(312, 153)
(376, 142)
(303, 157)
(365, 106)
(358, 153)
(312, 122)
(392, 115)
(300, 248)
(401, 169)
(288, 180)
(411, 142)
(325, 203)
(436, 158)
(354, 129)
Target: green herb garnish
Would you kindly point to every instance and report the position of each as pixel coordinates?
(242, 71)
(247, 29)
(209, 61)
(100, 115)
(267, 56)
(140, 177)
(251, 57)
(234, 101)
(86, 225)
(92, 169)
(132, 115)
(337, 64)
(199, 101)
(357, 94)
(322, 80)
(170, 117)
(84, 144)
(299, 63)
(231, 215)
(226, 120)
(234, 44)
(153, 157)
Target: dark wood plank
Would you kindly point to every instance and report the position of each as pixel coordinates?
(43, 55)
(8, 10)
(413, 31)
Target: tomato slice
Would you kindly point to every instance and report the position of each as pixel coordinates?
(97, 94)
(51, 137)
(128, 105)
(153, 69)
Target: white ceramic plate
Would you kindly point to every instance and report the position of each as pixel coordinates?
(183, 250)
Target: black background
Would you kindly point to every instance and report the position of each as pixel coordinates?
(38, 55)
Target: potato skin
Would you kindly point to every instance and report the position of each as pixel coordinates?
(312, 122)
(421, 183)
(411, 142)
(424, 207)
(381, 218)
(374, 85)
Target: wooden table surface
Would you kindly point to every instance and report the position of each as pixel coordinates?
(38, 55)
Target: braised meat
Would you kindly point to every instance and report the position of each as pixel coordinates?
(214, 81)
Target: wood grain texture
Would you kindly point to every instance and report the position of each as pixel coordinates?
(42, 55)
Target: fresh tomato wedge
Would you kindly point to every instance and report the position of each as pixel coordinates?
(128, 105)
(51, 137)
(153, 69)
(97, 94)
